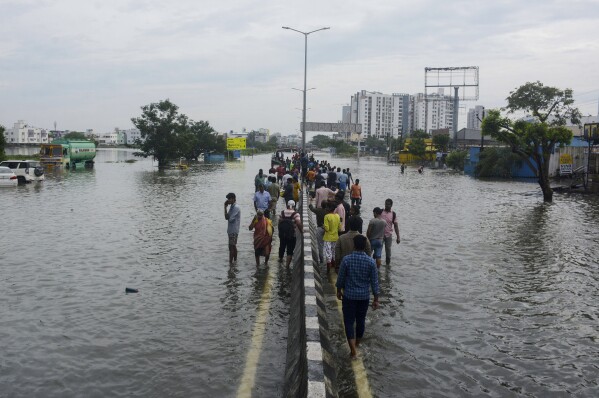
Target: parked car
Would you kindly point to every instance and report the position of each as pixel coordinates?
(25, 170)
(7, 177)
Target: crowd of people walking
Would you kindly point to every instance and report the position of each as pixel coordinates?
(342, 246)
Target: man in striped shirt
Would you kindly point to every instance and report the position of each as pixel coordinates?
(357, 275)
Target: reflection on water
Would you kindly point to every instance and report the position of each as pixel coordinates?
(491, 292)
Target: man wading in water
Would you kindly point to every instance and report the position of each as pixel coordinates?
(233, 216)
(357, 275)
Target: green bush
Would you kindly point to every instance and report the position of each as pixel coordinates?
(456, 159)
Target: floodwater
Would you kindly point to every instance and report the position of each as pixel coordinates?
(72, 244)
(490, 293)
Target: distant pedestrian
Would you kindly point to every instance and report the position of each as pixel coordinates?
(275, 191)
(357, 276)
(340, 209)
(289, 223)
(262, 228)
(233, 216)
(390, 218)
(331, 178)
(349, 176)
(342, 180)
(376, 234)
(262, 200)
(320, 213)
(296, 189)
(345, 243)
(259, 179)
(322, 194)
(402, 167)
(356, 193)
(354, 213)
(331, 225)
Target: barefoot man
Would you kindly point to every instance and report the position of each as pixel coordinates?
(233, 216)
(357, 275)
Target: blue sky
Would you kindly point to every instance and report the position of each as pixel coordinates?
(93, 64)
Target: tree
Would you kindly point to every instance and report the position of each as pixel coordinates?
(534, 141)
(198, 138)
(419, 134)
(321, 141)
(161, 126)
(441, 141)
(456, 159)
(417, 147)
(397, 144)
(342, 147)
(251, 137)
(75, 135)
(374, 144)
(496, 162)
(2, 143)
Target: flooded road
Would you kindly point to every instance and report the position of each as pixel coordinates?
(490, 293)
(75, 242)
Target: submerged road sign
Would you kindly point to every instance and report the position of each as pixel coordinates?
(333, 127)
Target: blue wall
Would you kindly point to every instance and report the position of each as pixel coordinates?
(521, 169)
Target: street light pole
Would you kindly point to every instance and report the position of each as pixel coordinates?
(305, 79)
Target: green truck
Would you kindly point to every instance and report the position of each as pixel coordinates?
(69, 154)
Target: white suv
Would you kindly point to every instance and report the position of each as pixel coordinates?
(25, 170)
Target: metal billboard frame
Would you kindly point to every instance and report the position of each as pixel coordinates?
(465, 77)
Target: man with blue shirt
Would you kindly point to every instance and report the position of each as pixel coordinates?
(233, 216)
(357, 275)
(262, 200)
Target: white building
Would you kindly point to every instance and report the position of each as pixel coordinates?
(381, 115)
(475, 117)
(434, 112)
(292, 140)
(374, 111)
(262, 135)
(128, 136)
(22, 133)
(108, 138)
(403, 114)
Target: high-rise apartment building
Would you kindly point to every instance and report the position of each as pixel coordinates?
(398, 115)
(381, 115)
(434, 112)
(475, 117)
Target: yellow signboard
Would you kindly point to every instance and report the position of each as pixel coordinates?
(234, 144)
(565, 158)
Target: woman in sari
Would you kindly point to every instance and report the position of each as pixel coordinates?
(262, 228)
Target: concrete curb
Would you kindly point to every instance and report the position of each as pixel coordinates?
(321, 372)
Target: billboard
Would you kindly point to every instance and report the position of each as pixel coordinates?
(234, 144)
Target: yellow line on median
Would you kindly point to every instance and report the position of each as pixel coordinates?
(360, 375)
(251, 363)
